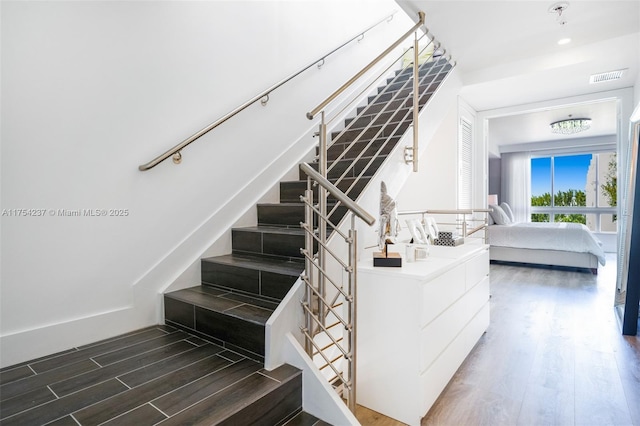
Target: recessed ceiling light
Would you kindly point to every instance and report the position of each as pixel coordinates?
(559, 8)
(606, 76)
(563, 41)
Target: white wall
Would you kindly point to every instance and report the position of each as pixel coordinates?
(636, 85)
(90, 90)
(434, 185)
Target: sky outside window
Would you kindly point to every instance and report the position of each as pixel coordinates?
(570, 172)
(540, 176)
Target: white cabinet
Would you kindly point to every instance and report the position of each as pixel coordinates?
(416, 325)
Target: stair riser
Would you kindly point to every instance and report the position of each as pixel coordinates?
(291, 191)
(231, 330)
(377, 107)
(423, 81)
(270, 244)
(281, 215)
(382, 118)
(273, 408)
(378, 132)
(403, 94)
(425, 67)
(353, 172)
(386, 106)
(222, 329)
(379, 147)
(408, 73)
(251, 281)
(274, 214)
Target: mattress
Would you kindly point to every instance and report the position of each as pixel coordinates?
(573, 237)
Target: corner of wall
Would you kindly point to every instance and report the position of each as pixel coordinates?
(318, 398)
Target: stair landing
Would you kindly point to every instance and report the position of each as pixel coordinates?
(158, 375)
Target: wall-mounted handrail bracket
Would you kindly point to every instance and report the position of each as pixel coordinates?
(260, 97)
(408, 154)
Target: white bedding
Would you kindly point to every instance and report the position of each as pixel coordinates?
(574, 237)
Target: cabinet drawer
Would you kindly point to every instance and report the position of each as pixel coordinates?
(477, 269)
(477, 297)
(438, 335)
(439, 293)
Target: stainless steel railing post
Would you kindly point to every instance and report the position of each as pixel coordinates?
(416, 96)
(309, 267)
(322, 206)
(353, 287)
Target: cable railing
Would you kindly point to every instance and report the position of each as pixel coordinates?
(353, 151)
(263, 97)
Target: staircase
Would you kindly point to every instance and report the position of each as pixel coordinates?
(239, 291)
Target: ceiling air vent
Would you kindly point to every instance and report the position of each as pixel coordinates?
(606, 76)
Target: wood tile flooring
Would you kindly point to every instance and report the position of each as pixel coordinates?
(553, 355)
(154, 375)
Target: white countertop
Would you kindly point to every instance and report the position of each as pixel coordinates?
(439, 260)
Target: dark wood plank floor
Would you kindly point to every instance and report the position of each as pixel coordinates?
(153, 375)
(553, 355)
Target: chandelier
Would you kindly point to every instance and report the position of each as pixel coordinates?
(571, 126)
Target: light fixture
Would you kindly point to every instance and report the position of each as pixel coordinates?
(571, 125)
(559, 9)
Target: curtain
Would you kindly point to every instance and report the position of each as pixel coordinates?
(516, 184)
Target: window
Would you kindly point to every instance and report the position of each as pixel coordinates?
(465, 164)
(575, 188)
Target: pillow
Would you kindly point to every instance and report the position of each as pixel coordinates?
(508, 211)
(498, 215)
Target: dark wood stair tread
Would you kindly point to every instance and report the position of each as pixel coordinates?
(305, 419)
(268, 264)
(224, 302)
(265, 229)
(267, 397)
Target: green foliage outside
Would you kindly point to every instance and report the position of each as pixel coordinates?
(569, 198)
(610, 186)
(577, 198)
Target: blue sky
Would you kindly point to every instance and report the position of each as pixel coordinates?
(570, 173)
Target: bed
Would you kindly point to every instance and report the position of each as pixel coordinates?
(557, 244)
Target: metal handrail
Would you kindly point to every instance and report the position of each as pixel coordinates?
(175, 151)
(464, 212)
(311, 115)
(338, 194)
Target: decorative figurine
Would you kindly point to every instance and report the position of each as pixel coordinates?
(388, 231)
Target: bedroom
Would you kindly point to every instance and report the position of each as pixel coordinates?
(513, 92)
(575, 167)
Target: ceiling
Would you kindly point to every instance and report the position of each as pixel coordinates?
(507, 55)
